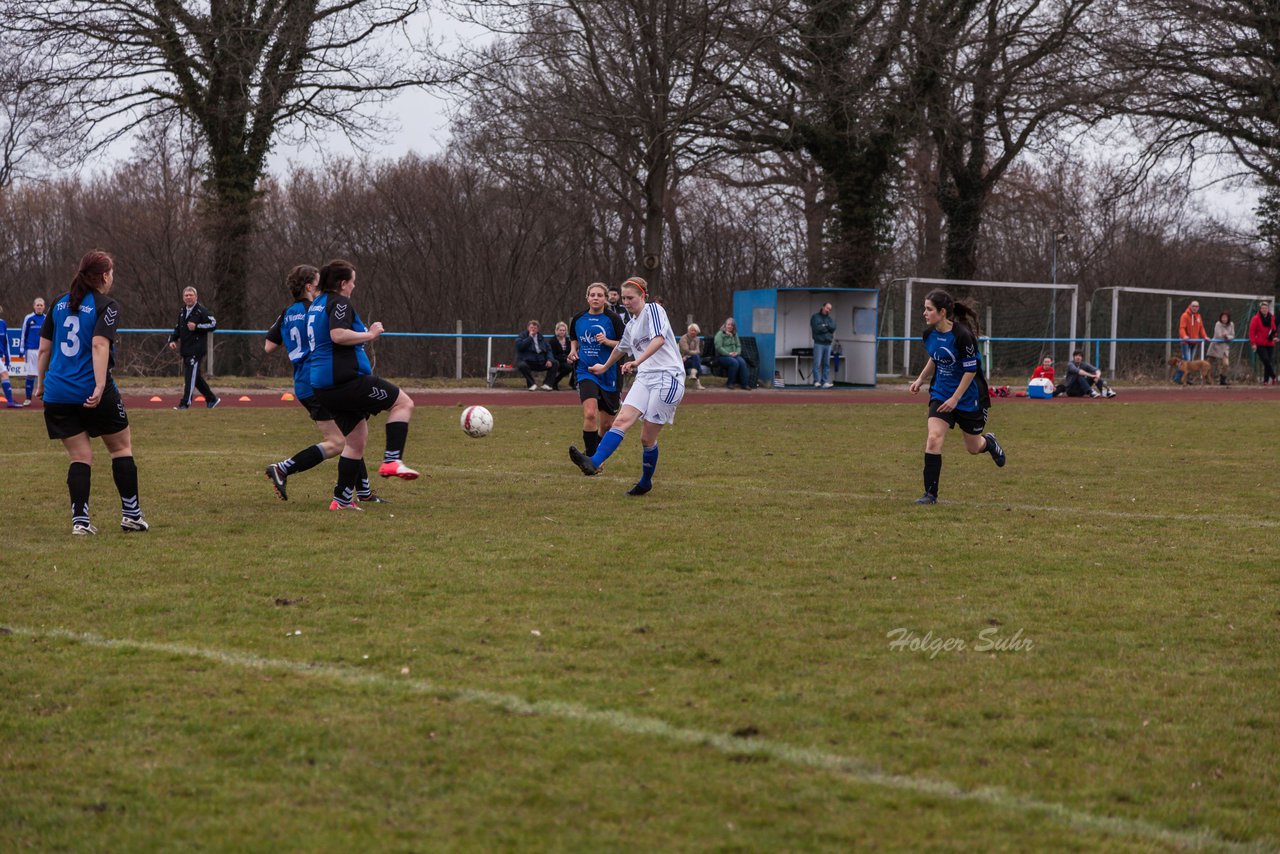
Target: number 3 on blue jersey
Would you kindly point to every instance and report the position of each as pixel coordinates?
(71, 346)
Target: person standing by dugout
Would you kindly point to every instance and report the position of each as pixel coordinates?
(191, 338)
(823, 327)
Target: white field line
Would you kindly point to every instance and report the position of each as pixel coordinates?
(849, 768)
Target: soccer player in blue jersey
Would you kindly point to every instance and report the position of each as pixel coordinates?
(81, 400)
(657, 391)
(344, 384)
(31, 343)
(958, 393)
(290, 331)
(4, 365)
(593, 335)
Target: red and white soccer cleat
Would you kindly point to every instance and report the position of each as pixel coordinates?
(395, 468)
(335, 504)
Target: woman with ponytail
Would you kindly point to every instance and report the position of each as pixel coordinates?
(958, 391)
(81, 401)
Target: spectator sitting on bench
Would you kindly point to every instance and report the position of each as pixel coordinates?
(691, 352)
(729, 356)
(533, 353)
(560, 347)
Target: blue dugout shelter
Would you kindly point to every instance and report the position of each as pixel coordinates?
(778, 318)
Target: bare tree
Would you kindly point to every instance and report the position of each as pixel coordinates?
(240, 73)
(33, 130)
(1021, 68)
(843, 83)
(627, 83)
(1206, 72)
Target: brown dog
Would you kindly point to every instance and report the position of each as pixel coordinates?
(1191, 366)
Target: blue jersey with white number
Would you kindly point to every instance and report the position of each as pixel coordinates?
(334, 364)
(69, 378)
(583, 328)
(955, 354)
(290, 332)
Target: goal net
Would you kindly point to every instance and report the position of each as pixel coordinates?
(1135, 329)
(1022, 322)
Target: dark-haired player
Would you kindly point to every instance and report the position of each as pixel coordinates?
(290, 331)
(958, 393)
(343, 382)
(593, 334)
(80, 397)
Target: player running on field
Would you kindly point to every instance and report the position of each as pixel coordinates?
(594, 333)
(958, 393)
(81, 400)
(290, 331)
(657, 391)
(343, 382)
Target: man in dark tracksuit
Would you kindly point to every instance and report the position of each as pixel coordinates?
(194, 325)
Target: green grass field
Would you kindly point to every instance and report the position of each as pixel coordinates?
(512, 656)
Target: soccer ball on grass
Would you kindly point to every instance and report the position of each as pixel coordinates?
(476, 421)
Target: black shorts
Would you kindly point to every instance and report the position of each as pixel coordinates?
(972, 423)
(314, 409)
(64, 420)
(609, 402)
(354, 401)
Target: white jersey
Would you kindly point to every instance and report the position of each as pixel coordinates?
(643, 328)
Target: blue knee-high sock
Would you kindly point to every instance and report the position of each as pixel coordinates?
(609, 443)
(31, 386)
(648, 464)
(8, 391)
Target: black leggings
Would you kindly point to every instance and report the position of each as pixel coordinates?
(1264, 356)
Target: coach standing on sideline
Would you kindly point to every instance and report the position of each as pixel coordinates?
(194, 325)
(823, 327)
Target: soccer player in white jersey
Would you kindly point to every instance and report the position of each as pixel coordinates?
(657, 391)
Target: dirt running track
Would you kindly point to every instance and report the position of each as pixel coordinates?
(888, 394)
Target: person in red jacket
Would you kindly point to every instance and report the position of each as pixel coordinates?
(1262, 338)
(1191, 332)
(1044, 370)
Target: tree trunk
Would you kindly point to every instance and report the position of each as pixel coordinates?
(655, 197)
(230, 225)
(963, 209)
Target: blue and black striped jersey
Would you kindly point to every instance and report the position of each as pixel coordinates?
(334, 364)
(583, 328)
(955, 354)
(69, 378)
(290, 332)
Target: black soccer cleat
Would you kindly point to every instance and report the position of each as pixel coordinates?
(213, 404)
(371, 498)
(640, 489)
(994, 449)
(277, 478)
(582, 461)
(927, 498)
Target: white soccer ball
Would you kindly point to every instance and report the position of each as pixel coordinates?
(476, 421)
